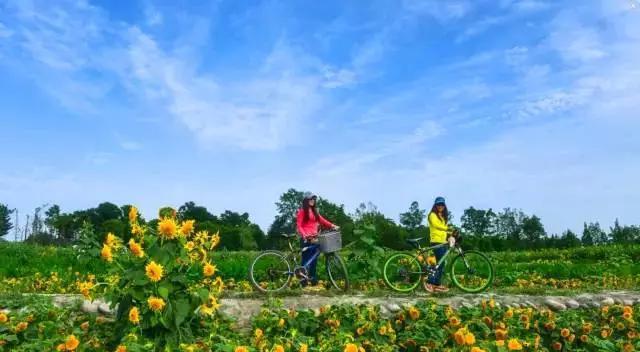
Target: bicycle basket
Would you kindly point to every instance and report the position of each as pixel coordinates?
(330, 241)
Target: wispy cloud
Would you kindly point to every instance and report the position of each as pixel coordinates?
(439, 10)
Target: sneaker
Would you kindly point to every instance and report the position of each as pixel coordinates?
(441, 289)
(430, 288)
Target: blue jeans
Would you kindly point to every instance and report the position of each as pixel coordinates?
(436, 279)
(311, 250)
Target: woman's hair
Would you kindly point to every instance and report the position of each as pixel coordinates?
(305, 208)
(445, 212)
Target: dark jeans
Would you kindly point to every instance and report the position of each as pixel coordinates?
(439, 252)
(311, 249)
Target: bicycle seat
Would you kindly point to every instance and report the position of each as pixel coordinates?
(415, 241)
(288, 235)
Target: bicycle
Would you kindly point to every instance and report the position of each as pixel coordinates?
(471, 271)
(271, 270)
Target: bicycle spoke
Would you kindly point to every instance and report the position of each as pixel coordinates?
(402, 272)
(270, 271)
(472, 272)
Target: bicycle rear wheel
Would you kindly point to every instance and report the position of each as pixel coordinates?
(472, 272)
(402, 272)
(270, 271)
(337, 271)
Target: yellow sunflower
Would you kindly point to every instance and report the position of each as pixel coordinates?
(154, 271)
(156, 304)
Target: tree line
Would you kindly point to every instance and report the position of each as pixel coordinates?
(484, 229)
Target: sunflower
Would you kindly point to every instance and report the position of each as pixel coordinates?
(71, 343)
(209, 270)
(111, 240)
(133, 213)
(469, 339)
(241, 349)
(187, 227)
(154, 271)
(3, 318)
(156, 304)
(121, 348)
(22, 326)
(565, 332)
(278, 348)
(303, 348)
(106, 253)
(414, 313)
(167, 228)
(459, 337)
(514, 345)
(351, 347)
(136, 248)
(134, 315)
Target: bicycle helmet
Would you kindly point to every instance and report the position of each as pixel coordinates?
(439, 200)
(309, 195)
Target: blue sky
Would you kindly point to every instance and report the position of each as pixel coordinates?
(529, 104)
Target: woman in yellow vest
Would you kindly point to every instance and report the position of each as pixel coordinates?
(438, 231)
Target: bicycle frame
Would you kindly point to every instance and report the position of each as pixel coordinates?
(293, 256)
(444, 257)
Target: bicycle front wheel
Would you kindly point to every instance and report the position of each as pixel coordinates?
(270, 271)
(472, 271)
(402, 272)
(337, 271)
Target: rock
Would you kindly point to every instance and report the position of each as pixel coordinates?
(607, 301)
(628, 302)
(394, 307)
(572, 303)
(530, 304)
(467, 305)
(617, 300)
(554, 304)
(104, 309)
(89, 307)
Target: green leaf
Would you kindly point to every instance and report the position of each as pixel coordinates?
(182, 310)
(163, 291)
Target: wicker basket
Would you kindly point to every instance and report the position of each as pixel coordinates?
(330, 241)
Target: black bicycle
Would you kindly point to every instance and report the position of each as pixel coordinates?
(272, 271)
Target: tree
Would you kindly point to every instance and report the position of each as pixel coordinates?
(478, 222)
(5, 220)
(51, 217)
(532, 231)
(569, 240)
(624, 234)
(508, 224)
(592, 234)
(191, 211)
(413, 218)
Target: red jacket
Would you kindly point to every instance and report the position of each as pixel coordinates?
(310, 227)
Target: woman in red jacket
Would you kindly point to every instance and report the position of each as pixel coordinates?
(309, 223)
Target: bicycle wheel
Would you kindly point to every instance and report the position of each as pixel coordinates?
(402, 272)
(270, 271)
(471, 271)
(337, 271)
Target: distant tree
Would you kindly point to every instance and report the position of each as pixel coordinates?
(5, 220)
(478, 222)
(508, 225)
(592, 234)
(51, 217)
(569, 240)
(233, 219)
(532, 231)
(191, 211)
(624, 234)
(413, 218)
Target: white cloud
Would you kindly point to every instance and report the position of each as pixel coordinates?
(336, 78)
(4, 31)
(440, 10)
(130, 145)
(152, 15)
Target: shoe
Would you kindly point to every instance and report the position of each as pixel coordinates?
(441, 288)
(430, 288)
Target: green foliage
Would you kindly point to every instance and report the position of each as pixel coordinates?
(5, 220)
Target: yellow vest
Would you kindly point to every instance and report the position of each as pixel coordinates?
(437, 229)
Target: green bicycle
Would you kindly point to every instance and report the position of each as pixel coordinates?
(471, 271)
